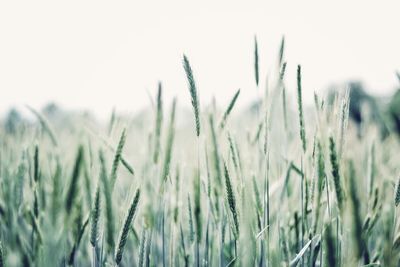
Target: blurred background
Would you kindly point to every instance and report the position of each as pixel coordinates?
(94, 56)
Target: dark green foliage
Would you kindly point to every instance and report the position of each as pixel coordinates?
(1, 255)
(330, 247)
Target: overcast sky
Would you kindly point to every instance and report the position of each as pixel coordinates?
(97, 55)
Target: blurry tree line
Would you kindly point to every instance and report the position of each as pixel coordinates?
(365, 108)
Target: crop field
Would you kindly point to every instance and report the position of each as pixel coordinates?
(279, 183)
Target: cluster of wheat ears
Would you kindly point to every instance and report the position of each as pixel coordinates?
(268, 186)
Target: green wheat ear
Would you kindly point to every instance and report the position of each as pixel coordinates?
(282, 72)
(169, 143)
(191, 227)
(125, 229)
(228, 110)
(117, 158)
(336, 173)
(281, 50)
(300, 107)
(256, 67)
(193, 93)
(36, 172)
(95, 217)
(142, 249)
(231, 200)
(73, 186)
(397, 198)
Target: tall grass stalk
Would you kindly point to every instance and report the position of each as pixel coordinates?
(142, 249)
(94, 230)
(126, 226)
(321, 177)
(95, 217)
(193, 93)
(1, 255)
(228, 110)
(109, 211)
(361, 246)
(158, 126)
(336, 173)
(107, 143)
(191, 224)
(75, 247)
(197, 215)
(256, 67)
(230, 196)
(344, 116)
(300, 109)
(281, 51)
(73, 185)
(215, 151)
(169, 143)
(117, 158)
(330, 247)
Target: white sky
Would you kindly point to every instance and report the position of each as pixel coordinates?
(97, 55)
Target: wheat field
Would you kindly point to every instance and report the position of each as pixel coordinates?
(278, 184)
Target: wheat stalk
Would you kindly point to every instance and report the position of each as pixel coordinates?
(228, 110)
(73, 186)
(169, 143)
(231, 200)
(300, 108)
(256, 67)
(335, 173)
(126, 226)
(117, 158)
(158, 127)
(193, 93)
